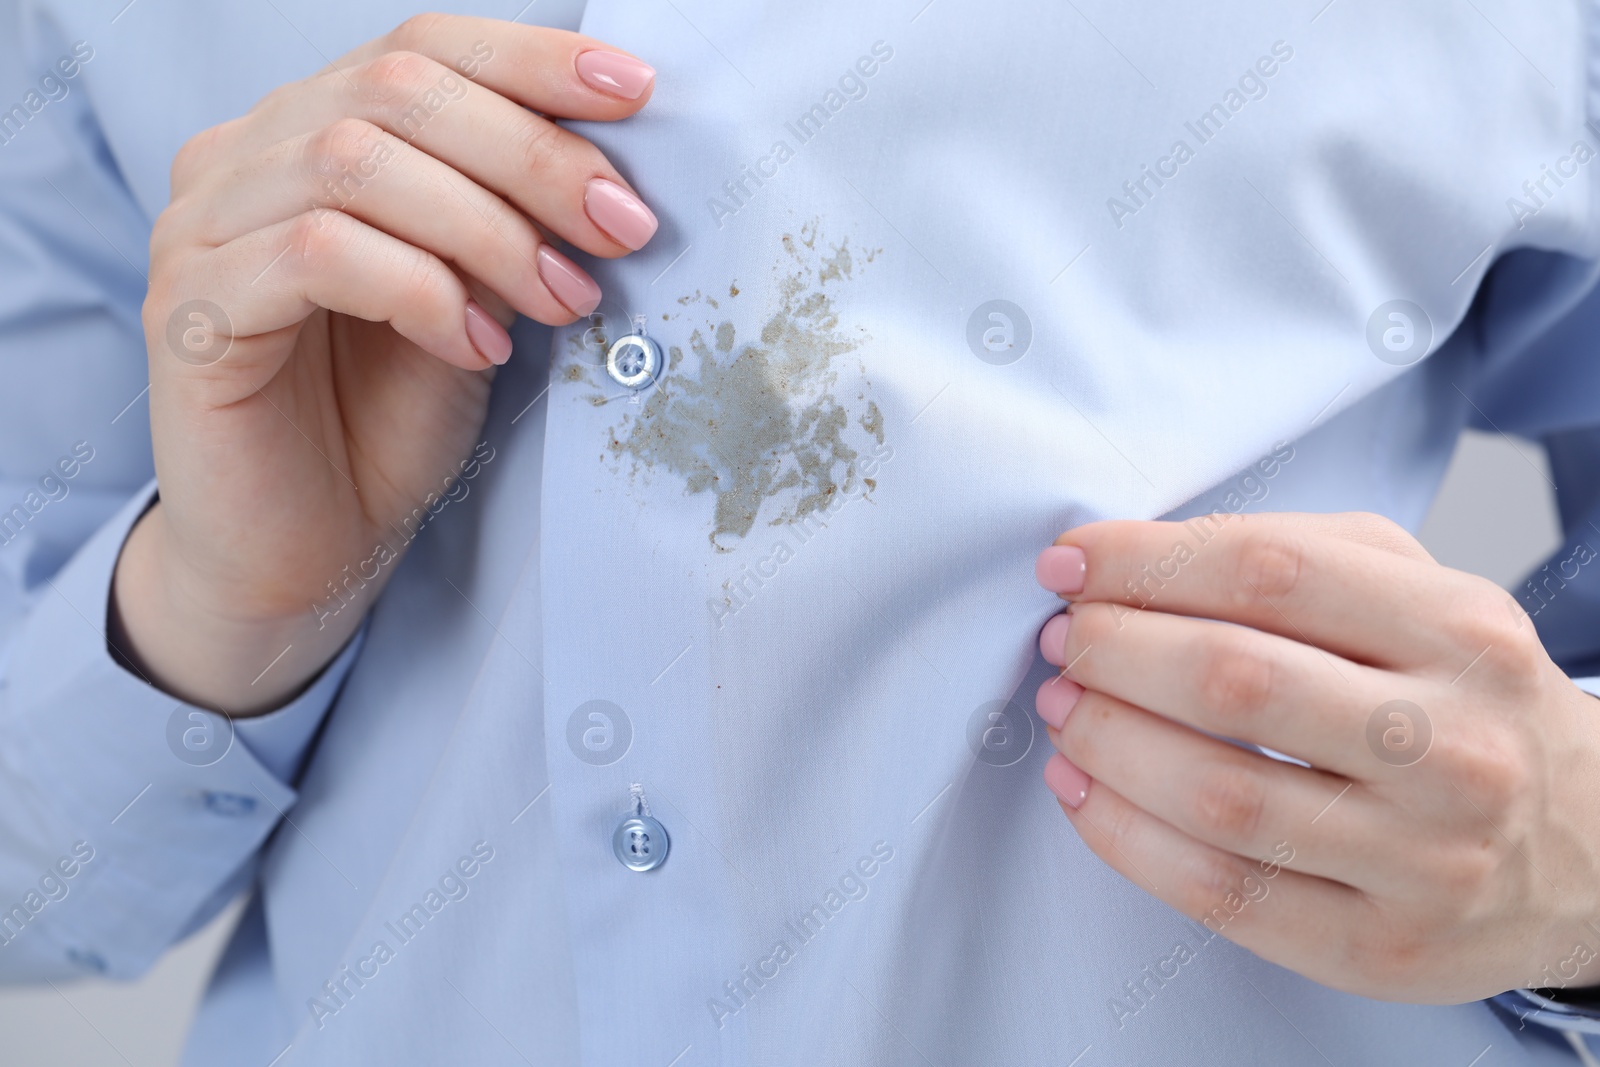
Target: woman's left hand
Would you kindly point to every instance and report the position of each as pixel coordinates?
(1443, 845)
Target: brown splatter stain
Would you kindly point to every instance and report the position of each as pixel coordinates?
(733, 287)
(872, 421)
(757, 425)
(573, 373)
(838, 267)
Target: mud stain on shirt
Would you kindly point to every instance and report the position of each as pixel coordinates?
(755, 422)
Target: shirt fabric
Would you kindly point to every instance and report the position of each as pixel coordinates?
(783, 600)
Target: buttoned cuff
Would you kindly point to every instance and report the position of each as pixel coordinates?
(1527, 1006)
(154, 804)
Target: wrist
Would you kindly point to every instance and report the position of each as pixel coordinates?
(198, 643)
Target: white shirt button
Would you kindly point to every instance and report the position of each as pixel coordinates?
(640, 843)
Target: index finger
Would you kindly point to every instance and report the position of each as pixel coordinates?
(1369, 604)
(555, 72)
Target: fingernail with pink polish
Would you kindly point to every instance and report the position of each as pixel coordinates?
(619, 213)
(1061, 569)
(1053, 640)
(1056, 699)
(615, 74)
(567, 281)
(487, 335)
(1066, 781)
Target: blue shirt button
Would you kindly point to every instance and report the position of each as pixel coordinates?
(89, 961)
(228, 805)
(634, 361)
(640, 843)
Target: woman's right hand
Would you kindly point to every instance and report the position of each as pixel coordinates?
(329, 291)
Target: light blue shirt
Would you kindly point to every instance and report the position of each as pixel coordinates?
(782, 601)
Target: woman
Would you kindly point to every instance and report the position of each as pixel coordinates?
(693, 724)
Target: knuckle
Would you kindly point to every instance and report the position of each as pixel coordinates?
(1084, 728)
(158, 301)
(1237, 681)
(428, 283)
(540, 145)
(1115, 833)
(1518, 652)
(187, 159)
(499, 234)
(390, 81)
(341, 147)
(524, 264)
(1372, 522)
(1488, 625)
(167, 231)
(1491, 770)
(1383, 532)
(1518, 657)
(173, 279)
(317, 238)
(1209, 887)
(1271, 565)
(161, 279)
(1230, 803)
(195, 154)
(414, 33)
(1483, 615)
(1092, 625)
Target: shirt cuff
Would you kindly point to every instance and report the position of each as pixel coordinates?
(1588, 685)
(279, 739)
(1528, 1006)
(154, 804)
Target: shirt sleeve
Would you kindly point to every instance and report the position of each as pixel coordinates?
(127, 818)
